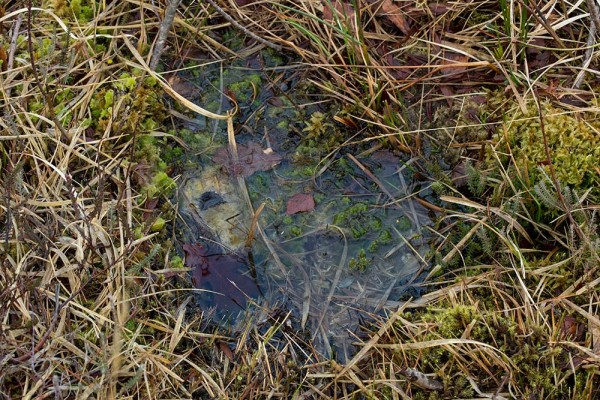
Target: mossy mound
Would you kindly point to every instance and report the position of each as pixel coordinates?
(573, 141)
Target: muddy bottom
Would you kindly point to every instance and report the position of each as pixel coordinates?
(293, 220)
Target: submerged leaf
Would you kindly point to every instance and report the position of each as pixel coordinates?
(225, 274)
(251, 158)
(300, 202)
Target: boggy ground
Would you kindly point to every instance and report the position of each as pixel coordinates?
(494, 103)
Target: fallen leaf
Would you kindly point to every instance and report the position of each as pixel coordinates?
(225, 349)
(210, 199)
(300, 202)
(451, 58)
(439, 8)
(395, 15)
(251, 158)
(183, 87)
(149, 208)
(225, 274)
(447, 91)
(387, 162)
(571, 329)
(142, 173)
(422, 380)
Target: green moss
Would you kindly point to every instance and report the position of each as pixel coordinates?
(245, 89)
(360, 220)
(404, 223)
(161, 185)
(573, 142)
(385, 237)
(126, 82)
(373, 246)
(317, 125)
(176, 262)
(360, 262)
(45, 48)
(82, 9)
(296, 231)
(158, 225)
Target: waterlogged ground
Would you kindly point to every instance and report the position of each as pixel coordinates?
(336, 231)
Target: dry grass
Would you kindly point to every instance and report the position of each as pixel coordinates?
(90, 305)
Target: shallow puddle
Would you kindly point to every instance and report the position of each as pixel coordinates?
(287, 222)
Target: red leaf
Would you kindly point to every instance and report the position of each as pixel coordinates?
(251, 158)
(300, 202)
(225, 274)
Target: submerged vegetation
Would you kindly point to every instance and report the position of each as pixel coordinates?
(491, 106)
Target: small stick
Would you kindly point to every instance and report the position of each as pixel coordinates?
(163, 33)
(589, 52)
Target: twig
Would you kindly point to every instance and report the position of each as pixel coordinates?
(13, 43)
(589, 52)
(594, 13)
(163, 33)
(233, 22)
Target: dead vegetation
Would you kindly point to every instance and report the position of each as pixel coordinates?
(91, 304)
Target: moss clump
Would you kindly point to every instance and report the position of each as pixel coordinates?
(525, 348)
(161, 185)
(354, 218)
(322, 134)
(80, 10)
(245, 89)
(573, 141)
(360, 262)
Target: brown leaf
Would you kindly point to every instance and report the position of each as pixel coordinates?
(300, 202)
(459, 174)
(387, 161)
(439, 8)
(183, 87)
(225, 349)
(3, 58)
(395, 15)
(142, 173)
(251, 158)
(149, 208)
(451, 58)
(447, 91)
(571, 329)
